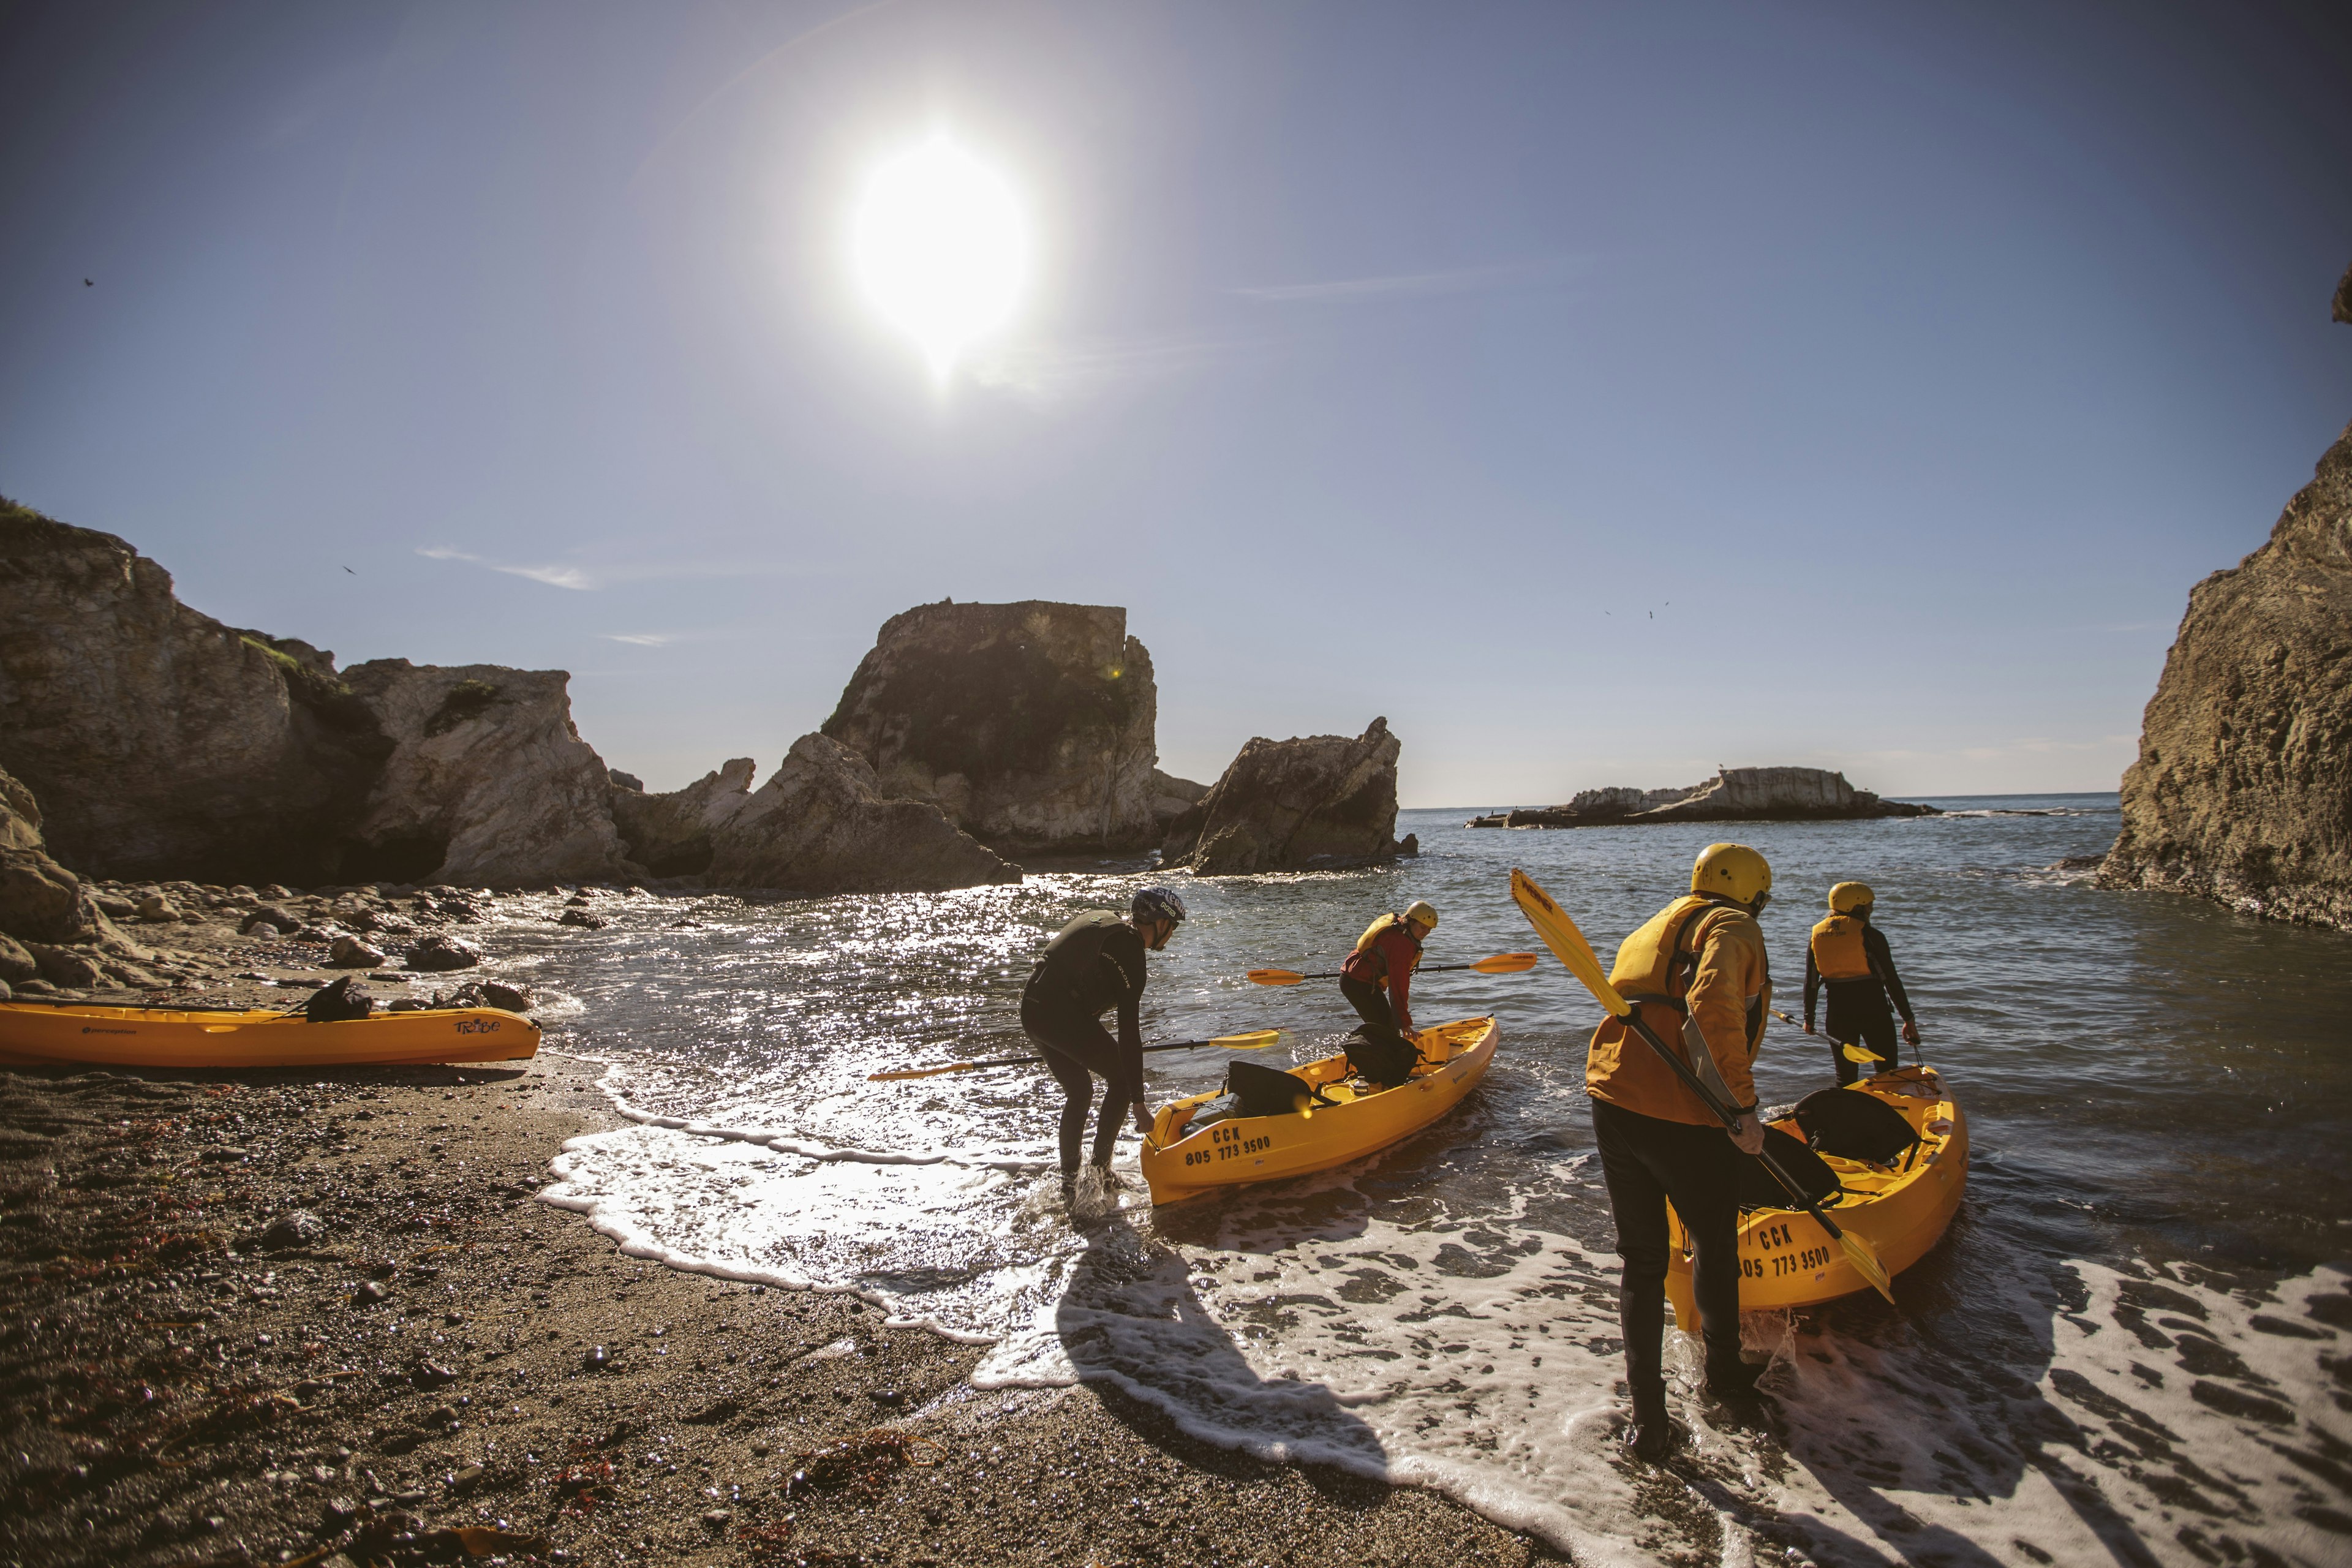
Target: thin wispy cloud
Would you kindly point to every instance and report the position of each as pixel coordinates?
(1403, 285)
(639, 640)
(570, 577)
(1046, 372)
(589, 579)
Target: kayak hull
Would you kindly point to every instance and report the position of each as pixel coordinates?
(1184, 1160)
(32, 1035)
(1787, 1259)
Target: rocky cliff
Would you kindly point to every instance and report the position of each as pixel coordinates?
(2242, 792)
(162, 744)
(822, 824)
(1031, 725)
(1733, 794)
(1324, 800)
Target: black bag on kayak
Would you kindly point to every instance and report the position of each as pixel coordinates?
(1266, 1091)
(336, 1003)
(1854, 1126)
(1756, 1188)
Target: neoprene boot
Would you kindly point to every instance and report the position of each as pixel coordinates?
(1730, 1378)
(1653, 1435)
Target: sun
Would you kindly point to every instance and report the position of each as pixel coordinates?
(941, 249)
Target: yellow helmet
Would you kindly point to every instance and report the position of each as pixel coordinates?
(1848, 897)
(1734, 870)
(1426, 913)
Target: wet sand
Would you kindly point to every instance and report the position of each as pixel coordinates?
(449, 1369)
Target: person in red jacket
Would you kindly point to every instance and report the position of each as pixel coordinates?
(1377, 980)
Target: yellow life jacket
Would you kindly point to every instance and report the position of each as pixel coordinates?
(1654, 964)
(1838, 952)
(1387, 922)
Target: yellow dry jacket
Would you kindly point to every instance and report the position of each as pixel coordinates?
(1699, 972)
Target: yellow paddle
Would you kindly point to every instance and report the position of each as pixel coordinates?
(1249, 1040)
(1853, 1053)
(1568, 943)
(1500, 964)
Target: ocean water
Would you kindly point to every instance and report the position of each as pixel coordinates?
(2135, 1344)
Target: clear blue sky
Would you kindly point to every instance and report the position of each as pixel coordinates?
(1600, 393)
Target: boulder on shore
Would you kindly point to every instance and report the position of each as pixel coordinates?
(822, 824)
(1733, 794)
(488, 781)
(2242, 792)
(1031, 725)
(1322, 800)
(40, 900)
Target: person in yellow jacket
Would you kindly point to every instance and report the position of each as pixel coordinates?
(1850, 956)
(1699, 972)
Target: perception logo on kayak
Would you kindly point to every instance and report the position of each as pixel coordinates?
(94, 1029)
(476, 1025)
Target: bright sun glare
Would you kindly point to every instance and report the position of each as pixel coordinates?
(941, 249)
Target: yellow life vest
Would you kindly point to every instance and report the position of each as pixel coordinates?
(1838, 952)
(1372, 934)
(1654, 964)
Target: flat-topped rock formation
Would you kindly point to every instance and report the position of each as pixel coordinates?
(2242, 792)
(1734, 794)
(1031, 725)
(1323, 800)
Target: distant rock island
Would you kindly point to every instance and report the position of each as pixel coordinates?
(2242, 792)
(1733, 794)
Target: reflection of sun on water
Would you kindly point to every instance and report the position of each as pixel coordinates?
(939, 248)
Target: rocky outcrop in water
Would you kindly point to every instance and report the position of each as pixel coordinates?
(1031, 725)
(669, 834)
(2242, 792)
(488, 782)
(1734, 794)
(822, 824)
(1324, 800)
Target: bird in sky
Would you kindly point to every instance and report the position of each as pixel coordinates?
(348, 569)
(87, 284)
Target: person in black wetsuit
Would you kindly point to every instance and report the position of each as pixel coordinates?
(1094, 965)
(1850, 956)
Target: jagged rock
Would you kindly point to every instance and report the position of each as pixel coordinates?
(1322, 800)
(1734, 794)
(670, 835)
(626, 781)
(1031, 725)
(73, 968)
(39, 899)
(821, 824)
(161, 741)
(437, 954)
(1171, 797)
(2242, 792)
(488, 781)
(17, 965)
(349, 952)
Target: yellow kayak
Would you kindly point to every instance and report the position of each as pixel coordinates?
(1181, 1160)
(32, 1034)
(1901, 1207)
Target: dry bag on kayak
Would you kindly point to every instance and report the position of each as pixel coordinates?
(1266, 1091)
(1854, 1126)
(1756, 1187)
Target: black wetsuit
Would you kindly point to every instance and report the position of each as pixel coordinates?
(1093, 964)
(1858, 1013)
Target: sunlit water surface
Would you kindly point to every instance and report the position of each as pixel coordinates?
(2132, 1345)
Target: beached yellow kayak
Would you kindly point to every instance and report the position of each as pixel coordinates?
(33, 1034)
(1901, 1206)
(1183, 1160)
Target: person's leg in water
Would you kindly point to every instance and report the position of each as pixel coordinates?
(1386, 1057)
(1858, 1016)
(1061, 1040)
(1638, 1203)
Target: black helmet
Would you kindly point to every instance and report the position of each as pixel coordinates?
(1156, 904)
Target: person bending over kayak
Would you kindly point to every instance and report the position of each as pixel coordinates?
(1850, 956)
(1697, 971)
(1377, 980)
(1094, 965)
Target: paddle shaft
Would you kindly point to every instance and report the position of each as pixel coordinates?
(1730, 1119)
(1026, 1061)
(1418, 971)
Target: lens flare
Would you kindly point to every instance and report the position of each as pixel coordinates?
(940, 248)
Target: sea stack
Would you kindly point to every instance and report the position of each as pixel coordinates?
(1733, 794)
(1320, 800)
(2242, 792)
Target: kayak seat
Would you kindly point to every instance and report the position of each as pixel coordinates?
(1269, 1091)
(1853, 1126)
(1757, 1188)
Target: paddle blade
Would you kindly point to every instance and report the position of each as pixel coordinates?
(1275, 977)
(1865, 1258)
(1252, 1039)
(1856, 1054)
(1506, 963)
(923, 1072)
(1567, 942)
